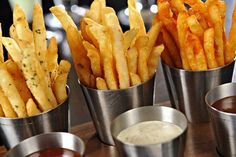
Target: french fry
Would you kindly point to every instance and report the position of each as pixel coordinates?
(142, 64)
(231, 43)
(18, 79)
(209, 48)
(129, 37)
(31, 108)
(172, 48)
(95, 11)
(135, 79)
(195, 26)
(179, 5)
(79, 55)
(6, 106)
(135, 18)
(165, 56)
(182, 29)
(101, 83)
(84, 33)
(1, 48)
(153, 59)
(105, 47)
(63, 17)
(117, 41)
(18, 14)
(1, 112)
(218, 27)
(93, 55)
(132, 60)
(13, 50)
(198, 51)
(8, 86)
(141, 41)
(59, 86)
(39, 33)
(190, 54)
(105, 11)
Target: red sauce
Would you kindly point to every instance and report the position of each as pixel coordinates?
(55, 152)
(227, 104)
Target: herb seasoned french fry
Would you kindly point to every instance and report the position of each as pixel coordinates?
(59, 86)
(31, 108)
(19, 80)
(6, 106)
(8, 86)
(101, 83)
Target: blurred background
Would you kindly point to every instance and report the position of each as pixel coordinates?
(78, 108)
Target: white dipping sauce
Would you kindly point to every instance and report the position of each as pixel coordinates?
(149, 132)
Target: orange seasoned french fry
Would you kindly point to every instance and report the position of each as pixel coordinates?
(209, 48)
(190, 54)
(195, 26)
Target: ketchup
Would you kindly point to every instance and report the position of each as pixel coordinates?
(55, 152)
(227, 104)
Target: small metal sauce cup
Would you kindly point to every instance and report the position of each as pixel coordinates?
(15, 130)
(173, 148)
(106, 105)
(187, 88)
(45, 141)
(224, 124)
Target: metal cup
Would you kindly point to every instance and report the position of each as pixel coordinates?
(187, 89)
(45, 141)
(173, 148)
(15, 130)
(105, 105)
(224, 124)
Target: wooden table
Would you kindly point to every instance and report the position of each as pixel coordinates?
(200, 142)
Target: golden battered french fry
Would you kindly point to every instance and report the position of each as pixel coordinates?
(117, 41)
(79, 55)
(141, 41)
(18, 79)
(209, 48)
(132, 60)
(59, 86)
(18, 14)
(153, 59)
(182, 29)
(1, 112)
(93, 55)
(105, 47)
(129, 38)
(231, 43)
(135, 18)
(105, 11)
(135, 79)
(83, 30)
(142, 64)
(6, 106)
(31, 108)
(63, 17)
(218, 27)
(51, 59)
(8, 86)
(1, 48)
(101, 83)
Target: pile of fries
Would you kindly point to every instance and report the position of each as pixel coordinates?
(105, 57)
(31, 81)
(193, 34)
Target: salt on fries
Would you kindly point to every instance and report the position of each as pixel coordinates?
(194, 37)
(104, 56)
(31, 81)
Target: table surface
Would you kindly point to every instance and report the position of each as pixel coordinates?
(200, 142)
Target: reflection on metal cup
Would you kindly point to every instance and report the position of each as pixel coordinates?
(187, 89)
(15, 130)
(105, 105)
(224, 124)
(46, 141)
(172, 148)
